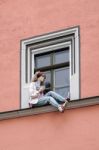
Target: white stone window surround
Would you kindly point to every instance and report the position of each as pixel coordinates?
(74, 62)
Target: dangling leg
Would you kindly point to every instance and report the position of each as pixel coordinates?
(56, 96)
(48, 99)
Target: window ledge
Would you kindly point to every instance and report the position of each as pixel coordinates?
(90, 101)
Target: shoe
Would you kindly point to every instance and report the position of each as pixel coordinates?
(30, 105)
(61, 108)
(65, 103)
(68, 97)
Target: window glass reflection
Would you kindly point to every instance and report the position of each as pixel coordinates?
(42, 61)
(61, 77)
(61, 57)
(63, 91)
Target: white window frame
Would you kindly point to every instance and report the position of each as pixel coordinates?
(49, 49)
(74, 62)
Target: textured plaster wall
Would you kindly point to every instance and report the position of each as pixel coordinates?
(76, 129)
(26, 18)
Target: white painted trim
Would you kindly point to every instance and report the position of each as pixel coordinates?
(48, 49)
(51, 35)
(74, 78)
(51, 48)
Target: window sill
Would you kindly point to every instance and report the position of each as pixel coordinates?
(90, 101)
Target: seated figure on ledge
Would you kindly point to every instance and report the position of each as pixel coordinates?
(41, 94)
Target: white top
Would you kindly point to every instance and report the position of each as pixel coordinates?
(33, 91)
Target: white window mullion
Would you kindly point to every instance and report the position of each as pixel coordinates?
(74, 78)
(33, 64)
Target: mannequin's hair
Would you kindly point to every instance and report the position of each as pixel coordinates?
(37, 75)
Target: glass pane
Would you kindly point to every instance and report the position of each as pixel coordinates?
(61, 77)
(48, 76)
(62, 91)
(42, 61)
(61, 57)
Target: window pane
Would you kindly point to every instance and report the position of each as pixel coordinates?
(62, 91)
(42, 61)
(48, 76)
(61, 77)
(61, 57)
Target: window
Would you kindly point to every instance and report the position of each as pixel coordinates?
(57, 54)
(55, 65)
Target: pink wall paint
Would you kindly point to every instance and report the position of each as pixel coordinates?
(23, 19)
(76, 129)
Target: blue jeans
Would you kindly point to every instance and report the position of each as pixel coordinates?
(51, 98)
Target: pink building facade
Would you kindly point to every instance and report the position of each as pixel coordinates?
(22, 22)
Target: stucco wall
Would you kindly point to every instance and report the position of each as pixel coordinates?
(26, 18)
(76, 129)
